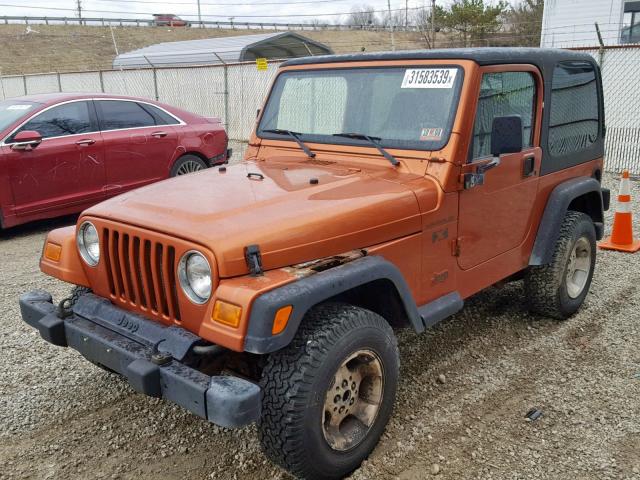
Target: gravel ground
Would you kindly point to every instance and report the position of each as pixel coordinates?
(465, 388)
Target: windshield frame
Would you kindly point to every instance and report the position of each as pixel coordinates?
(334, 140)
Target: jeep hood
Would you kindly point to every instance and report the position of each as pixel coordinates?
(294, 211)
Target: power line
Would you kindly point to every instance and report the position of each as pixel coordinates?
(297, 15)
(242, 4)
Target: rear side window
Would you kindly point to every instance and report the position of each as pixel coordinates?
(67, 119)
(115, 114)
(162, 117)
(574, 114)
(502, 94)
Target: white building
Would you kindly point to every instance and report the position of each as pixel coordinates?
(571, 23)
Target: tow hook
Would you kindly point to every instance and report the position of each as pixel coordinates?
(158, 357)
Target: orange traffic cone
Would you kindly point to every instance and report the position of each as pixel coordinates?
(621, 238)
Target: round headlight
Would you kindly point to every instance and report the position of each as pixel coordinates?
(89, 243)
(194, 274)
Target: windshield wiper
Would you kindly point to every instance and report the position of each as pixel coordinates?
(373, 141)
(295, 136)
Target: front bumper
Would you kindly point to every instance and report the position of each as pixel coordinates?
(151, 356)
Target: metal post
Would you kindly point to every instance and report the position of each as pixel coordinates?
(59, 81)
(601, 49)
(225, 73)
(2, 84)
(101, 76)
(406, 13)
(199, 15)
(433, 23)
(393, 40)
(113, 37)
(155, 79)
(24, 84)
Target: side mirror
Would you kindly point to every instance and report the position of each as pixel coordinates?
(26, 140)
(506, 135)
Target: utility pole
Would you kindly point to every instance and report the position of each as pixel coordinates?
(199, 15)
(406, 14)
(80, 11)
(433, 23)
(393, 39)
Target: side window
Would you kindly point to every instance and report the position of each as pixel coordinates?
(574, 113)
(501, 94)
(162, 117)
(67, 119)
(117, 114)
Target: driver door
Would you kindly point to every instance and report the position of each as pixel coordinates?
(495, 217)
(66, 169)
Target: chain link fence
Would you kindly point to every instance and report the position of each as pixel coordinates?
(234, 92)
(620, 71)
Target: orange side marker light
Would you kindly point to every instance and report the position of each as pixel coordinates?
(281, 319)
(52, 252)
(226, 313)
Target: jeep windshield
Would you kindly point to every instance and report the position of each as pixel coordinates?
(410, 108)
(13, 110)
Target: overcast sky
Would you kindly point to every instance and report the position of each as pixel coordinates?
(294, 11)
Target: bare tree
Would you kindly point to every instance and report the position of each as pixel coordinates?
(364, 15)
(524, 22)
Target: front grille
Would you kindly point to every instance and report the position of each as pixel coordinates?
(141, 273)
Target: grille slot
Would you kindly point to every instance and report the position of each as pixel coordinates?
(141, 273)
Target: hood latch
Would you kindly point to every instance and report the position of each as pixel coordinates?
(254, 260)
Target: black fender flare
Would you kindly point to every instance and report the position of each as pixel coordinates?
(555, 211)
(309, 291)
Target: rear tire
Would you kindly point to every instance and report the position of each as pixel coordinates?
(187, 164)
(328, 396)
(559, 288)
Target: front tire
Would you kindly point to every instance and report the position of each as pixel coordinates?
(328, 396)
(559, 288)
(187, 164)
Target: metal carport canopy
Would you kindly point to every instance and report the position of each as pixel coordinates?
(216, 50)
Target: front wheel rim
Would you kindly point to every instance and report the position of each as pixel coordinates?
(353, 400)
(578, 268)
(189, 166)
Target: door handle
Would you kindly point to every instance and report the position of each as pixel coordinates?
(529, 166)
(87, 141)
(159, 134)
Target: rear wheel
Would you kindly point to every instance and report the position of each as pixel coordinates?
(559, 288)
(328, 396)
(187, 164)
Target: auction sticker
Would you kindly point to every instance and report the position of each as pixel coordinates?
(19, 107)
(431, 134)
(429, 78)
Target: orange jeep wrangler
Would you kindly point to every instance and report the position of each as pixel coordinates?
(378, 191)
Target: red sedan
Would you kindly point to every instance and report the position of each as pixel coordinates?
(61, 153)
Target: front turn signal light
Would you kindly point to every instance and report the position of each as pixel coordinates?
(52, 252)
(226, 313)
(281, 319)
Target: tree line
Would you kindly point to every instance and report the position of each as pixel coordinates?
(464, 23)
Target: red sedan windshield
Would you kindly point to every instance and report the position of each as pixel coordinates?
(13, 110)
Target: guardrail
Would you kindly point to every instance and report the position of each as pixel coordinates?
(141, 22)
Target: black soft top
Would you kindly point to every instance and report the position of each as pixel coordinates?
(482, 56)
(543, 58)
